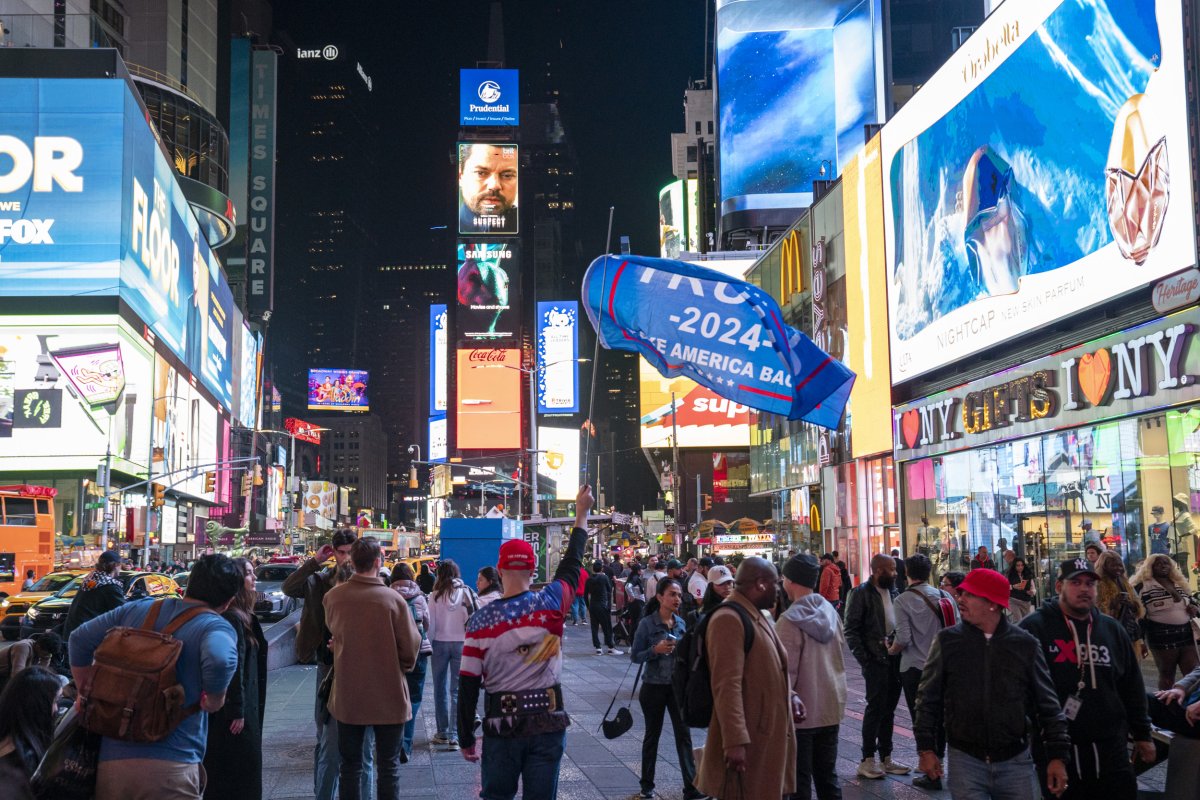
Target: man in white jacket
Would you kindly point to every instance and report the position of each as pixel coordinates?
(811, 632)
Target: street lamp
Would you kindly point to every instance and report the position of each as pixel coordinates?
(413, 483)
(532, 372)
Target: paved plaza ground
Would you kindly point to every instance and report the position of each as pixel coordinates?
(594, 768)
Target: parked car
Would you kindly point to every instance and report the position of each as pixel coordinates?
(51, 613)
(271, 602)
(181, 578)
(13, 608)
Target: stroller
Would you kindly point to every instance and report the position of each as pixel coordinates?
(627, 622)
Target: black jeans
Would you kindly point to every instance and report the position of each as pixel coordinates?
(910, 679)
(387, 760)
(1098, 771)
(601, 618)
(655, 699)
(883, 695)
(816, 763)
(1171, 717)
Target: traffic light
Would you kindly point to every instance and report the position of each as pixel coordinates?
(707, 501)
(210, 482)
(246, 481)
(258, 478)
(160, 492)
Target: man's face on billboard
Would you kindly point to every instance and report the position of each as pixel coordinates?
(488, 180)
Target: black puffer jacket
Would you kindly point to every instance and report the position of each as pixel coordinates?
(866, 623)
(987, 691)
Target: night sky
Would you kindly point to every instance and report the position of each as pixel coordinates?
(621, 67)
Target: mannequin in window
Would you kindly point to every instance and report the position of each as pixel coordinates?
(1158, 531)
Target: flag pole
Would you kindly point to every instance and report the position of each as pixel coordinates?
(587, 446)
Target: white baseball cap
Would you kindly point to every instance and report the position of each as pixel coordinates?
(719, 574)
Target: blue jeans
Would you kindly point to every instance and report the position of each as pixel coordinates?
(447, 659)
(416, 692)
(970, 778)
(578, 612)
(326, 761)
(533, 759)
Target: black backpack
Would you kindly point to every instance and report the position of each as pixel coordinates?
(692, 679)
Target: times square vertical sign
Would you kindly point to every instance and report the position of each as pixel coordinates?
(260, 244)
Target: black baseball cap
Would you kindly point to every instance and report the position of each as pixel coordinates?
(1075, 566)
(109, 557)
(674, 564)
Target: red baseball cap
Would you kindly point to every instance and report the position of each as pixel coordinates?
(988, 584)
(517, 554)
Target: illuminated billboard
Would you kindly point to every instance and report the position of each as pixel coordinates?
(89, 206)
(702, 417)
(185, 431)
(488, 97)
(438, 357)
(796, 83)
(670, 220)
(559, 459)
(487, 189)
(489, 399)
(274, 493)
(43, 427)
(488, 289)
(557, 357)
(439, 434)
(303, 431)
(1005, 214)
(338, 390)
(248, 407)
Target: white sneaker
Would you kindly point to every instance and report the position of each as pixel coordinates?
(869, 768)
(895, 768)
(612, 651)
(599, 651)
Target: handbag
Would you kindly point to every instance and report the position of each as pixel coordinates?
(623, 721)
(68, 769)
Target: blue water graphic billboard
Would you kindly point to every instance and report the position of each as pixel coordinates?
(558, 357)
(439, 356)
(1039, 173)
(489, 97)
(796, 83)
(89, 206)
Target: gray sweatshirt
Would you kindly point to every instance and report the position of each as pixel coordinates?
(811, 633)
(916, 625)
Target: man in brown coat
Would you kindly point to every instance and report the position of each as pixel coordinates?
(750, 752)
(375, 642)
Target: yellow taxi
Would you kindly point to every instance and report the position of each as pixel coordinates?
(13, 607)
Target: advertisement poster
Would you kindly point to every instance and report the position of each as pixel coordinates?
(438, 357)
(702, 418)
(670, 220)
(489, 399)
(91, 207)
(559, 459)
(488, 284)
(320, 504)
(438, 439)
(185, 432)
(338, 390)
(796, 83)
(1004, 214)
(248, 378)
(488, 97)
(487, 188)
(557, 357)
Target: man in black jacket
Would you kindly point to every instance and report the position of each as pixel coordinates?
(985, 678)
(598, 591)
(1099, 685)
(99, 593)
(870, 623)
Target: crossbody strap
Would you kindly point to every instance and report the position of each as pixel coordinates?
(937, 612)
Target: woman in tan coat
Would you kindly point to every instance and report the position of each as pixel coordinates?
(750, 753)
(375, 642)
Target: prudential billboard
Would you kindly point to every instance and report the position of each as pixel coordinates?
(488, 97)
(89, 206)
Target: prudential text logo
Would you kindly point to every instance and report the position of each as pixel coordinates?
(489, 91)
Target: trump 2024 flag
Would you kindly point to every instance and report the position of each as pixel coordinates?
(720, 332)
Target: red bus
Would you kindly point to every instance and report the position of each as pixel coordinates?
(26, 534)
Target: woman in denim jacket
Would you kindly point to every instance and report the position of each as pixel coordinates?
(654, 646)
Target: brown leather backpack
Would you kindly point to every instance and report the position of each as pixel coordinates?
(134, 695)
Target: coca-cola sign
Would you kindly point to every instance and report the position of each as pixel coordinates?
(492, 355)
(1176, 291)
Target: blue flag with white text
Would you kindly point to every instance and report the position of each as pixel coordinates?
(721, 332)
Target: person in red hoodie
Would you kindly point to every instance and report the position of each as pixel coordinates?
(831, 581)
(578, 608)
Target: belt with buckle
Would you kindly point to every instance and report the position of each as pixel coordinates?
(533, 701)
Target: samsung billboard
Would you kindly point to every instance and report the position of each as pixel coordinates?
(488, 290)
(89, 206)
(1039, 173)
(488, 97)
(558, 357)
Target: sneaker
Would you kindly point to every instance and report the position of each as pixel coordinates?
(599, 651)
(403, 756)
(439, 739)
(646, 794)
(452, 744)
(926, 782)
(869, 768)
(612, 651)
(895, 768)
(478, 723)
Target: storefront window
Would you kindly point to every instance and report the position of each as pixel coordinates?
(883, 532)
(845, 527)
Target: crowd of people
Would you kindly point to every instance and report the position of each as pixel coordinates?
(1011, 695)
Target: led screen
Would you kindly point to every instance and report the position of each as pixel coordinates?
(488, 284)
(488, 97)
(557, 357)
(701, 417)
(89, 205)
(303, 431)
(438, 357)
(670, 220)
(796, 83)
(489, 399)
(185, 432)
(487, 188)
(338, 390)
(1002, 212)
(438, 439)
(248, 378)
(559, 459)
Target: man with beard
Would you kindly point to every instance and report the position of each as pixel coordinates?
(870, 629)
(487, 188)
